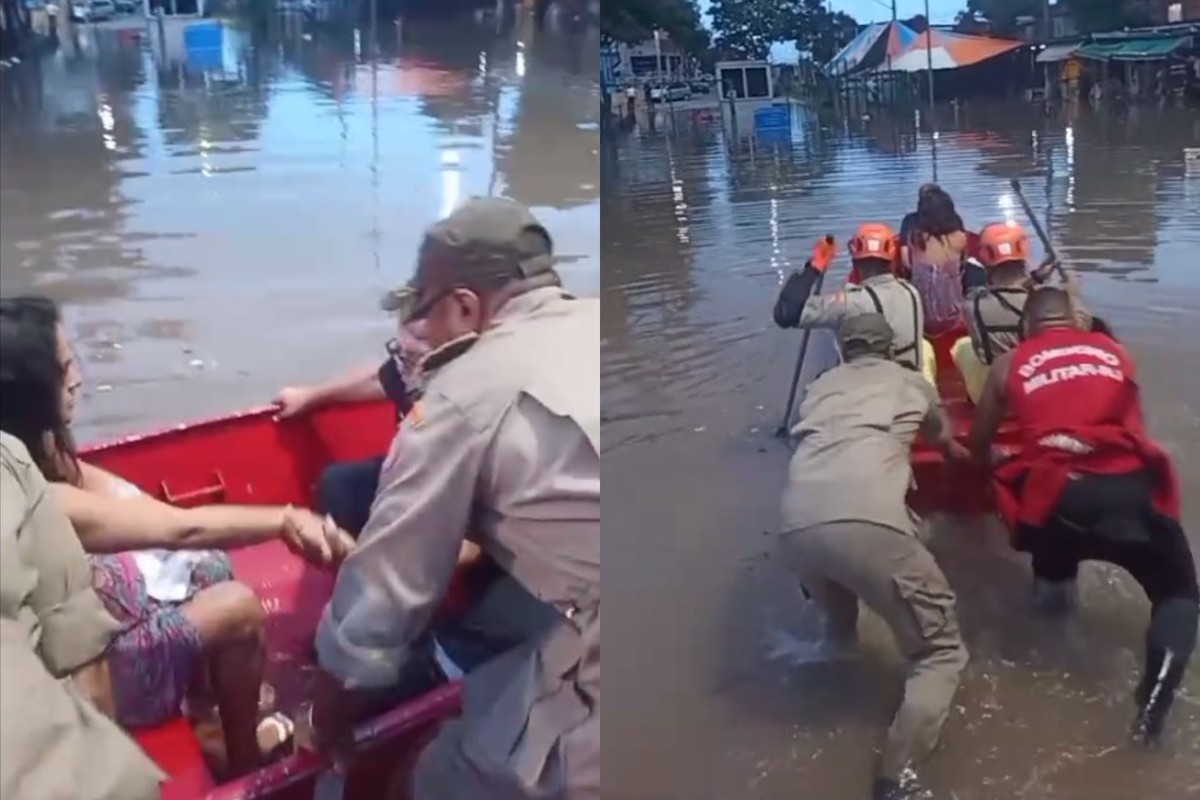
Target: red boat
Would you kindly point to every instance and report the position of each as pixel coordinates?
(954, 487)
(942, 487)
(250, 458)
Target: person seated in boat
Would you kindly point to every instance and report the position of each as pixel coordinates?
(55, 737)
(504, 443)
(872, 250)
(994, 312)
(933, 254)
(1088, 483)
(184, 620)
(345, 490)
(857, 425)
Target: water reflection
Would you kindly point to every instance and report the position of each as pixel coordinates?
(236, 192)
(699, 226)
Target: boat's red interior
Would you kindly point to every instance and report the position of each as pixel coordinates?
(251, 458)
(957, 488)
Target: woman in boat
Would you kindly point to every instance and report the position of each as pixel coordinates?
(185, 622)
(935, 246)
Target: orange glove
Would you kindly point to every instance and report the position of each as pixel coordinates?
(822, 254)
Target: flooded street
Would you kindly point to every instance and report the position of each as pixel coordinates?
(708, 693)
(221, 223)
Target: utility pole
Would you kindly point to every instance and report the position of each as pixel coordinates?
(1048, 21)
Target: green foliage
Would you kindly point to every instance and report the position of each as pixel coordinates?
(748, 28)
(636, 20)
(1003, 13)
(1097, 16)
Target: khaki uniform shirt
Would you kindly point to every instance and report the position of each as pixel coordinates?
(505, 443)
(994, 319)
(857, 426)
(56, 745)
(1001, 308)
(893, 297)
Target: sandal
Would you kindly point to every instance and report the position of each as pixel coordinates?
(275, 734)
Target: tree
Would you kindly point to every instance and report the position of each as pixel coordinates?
(748, 28)
(824, 34)
(1003, 14)
(1097, 16)
(636, 20)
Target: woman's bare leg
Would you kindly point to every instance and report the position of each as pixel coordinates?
(230, 619)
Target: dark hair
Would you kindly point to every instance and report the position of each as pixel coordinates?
(936, 217)
(1047, 305)
(31, 384)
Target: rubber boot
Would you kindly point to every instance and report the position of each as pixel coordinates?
(1169, 644)
(888, 789)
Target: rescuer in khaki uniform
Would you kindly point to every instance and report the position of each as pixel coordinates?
(55, 743)
(504, 445)
(857, 426)
(994, 312)
(873, 253)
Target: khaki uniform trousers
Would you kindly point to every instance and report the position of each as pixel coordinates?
(841, 563)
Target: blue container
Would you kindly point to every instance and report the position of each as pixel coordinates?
(773, 118)
(204, 36)
(204, 44)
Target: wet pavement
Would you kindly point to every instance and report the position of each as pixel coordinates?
(220, 222)
(709, 693)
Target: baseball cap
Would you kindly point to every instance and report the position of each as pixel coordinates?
(866, 332)
(485, 239)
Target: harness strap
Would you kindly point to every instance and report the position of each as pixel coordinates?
(913, 346)
(986, 331)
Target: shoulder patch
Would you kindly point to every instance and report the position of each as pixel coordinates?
(414, 416)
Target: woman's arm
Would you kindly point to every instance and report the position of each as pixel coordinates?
(107, 524)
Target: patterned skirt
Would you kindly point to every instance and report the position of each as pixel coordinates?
(156, 654)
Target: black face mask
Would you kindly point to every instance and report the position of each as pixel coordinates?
(395, 387)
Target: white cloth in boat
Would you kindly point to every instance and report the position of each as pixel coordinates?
(505, 443)
(899, 302)
(54, 743)
(167, 573)
(857, 425)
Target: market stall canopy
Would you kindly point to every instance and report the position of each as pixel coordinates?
(1058, 52)
(871, 48)
(1149, 49)
(949, 51)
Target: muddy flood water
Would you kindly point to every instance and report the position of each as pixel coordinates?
(709, 691)
(221, 223)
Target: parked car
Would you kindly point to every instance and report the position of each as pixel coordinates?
(678, 91)
(127, 6)
(92, 10)
(656, 94)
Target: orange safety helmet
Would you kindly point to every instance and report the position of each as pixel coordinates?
(874, 240)
(1002, 242)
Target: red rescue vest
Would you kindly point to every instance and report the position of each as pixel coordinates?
(1075, 398)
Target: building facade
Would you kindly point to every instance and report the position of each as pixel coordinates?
(1164, 12)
